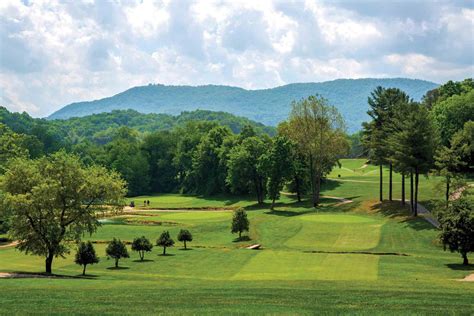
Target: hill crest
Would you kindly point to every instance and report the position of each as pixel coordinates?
(268, 106)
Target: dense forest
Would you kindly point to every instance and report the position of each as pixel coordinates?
(269, 106)
(209, 153)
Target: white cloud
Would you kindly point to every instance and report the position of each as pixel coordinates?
(411, 65)
(147, 17)
(340, 27)
(55, 52)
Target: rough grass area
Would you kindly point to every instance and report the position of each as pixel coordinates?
(360, 257)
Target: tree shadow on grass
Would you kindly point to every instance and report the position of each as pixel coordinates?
(144, 260)
(461, 267)
(243, 238)
(182, 249)
(87, 276)
(395, 210)
(27, 274)
(167, 255)
(328, 185)
(287, 213)
(118, 268)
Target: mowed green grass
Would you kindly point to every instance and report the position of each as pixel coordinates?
(361, 257)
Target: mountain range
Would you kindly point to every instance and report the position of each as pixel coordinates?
(268, 106)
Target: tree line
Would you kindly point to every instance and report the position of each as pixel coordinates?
(419, 138)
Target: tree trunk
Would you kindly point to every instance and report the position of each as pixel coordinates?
(298, 194)
(411, 192)
(84, 270)
(448, 180)
(185, 245)
(403, 189)
(273, 204)
(416, 192)
(465, 261)
(312, 180)
(316, 193)
(240, 234)
(262, 197)
(164, 251)
(49, 262)
(390, 184)
(142, 255)
(116, 262)
(381, 184)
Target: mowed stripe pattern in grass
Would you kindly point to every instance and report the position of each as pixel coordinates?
(284, 265)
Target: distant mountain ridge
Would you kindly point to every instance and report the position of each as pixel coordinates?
(268, 106)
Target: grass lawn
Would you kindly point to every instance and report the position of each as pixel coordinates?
(361, 257)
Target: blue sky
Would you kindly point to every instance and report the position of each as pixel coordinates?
(56, 52)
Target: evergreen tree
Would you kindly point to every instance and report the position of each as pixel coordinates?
(413, 144)
(141, 245)
(240, 222)
(185, 236)
(117, 250)
(165, 241)
(383, 106)
(86, 255)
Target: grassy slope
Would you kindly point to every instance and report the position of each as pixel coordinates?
(219, 276)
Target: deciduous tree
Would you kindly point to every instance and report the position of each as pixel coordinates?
(318, 129)
(277, 166)
(54, 200)
(457, 228)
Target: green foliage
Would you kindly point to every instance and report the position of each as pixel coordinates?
(446, 91)
(12, 145)
(457, 228)
(42, 138)
(240, 222)
(85, 255)
(185, 235)
(451, 114)
(269, 106)
(462, 143)
(100, 127)
(413, 141)
(276, 164)
(54, 200)
(159, 148)
(123, 154)
(246, 172)
(319, 132)
(165, 241)
(357, 149)
(448, 163)
(142, 245)
(383, 107)
(209, 162)
(117, 250)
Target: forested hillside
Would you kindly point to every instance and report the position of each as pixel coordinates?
(269, 106)
(54, 134)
